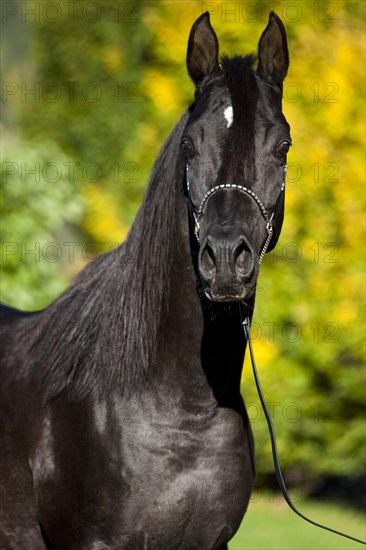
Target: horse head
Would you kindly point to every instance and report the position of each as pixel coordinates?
(235, 144)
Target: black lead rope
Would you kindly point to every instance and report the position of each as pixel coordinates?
(276, 460)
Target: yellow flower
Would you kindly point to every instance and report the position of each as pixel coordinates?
(112, 58)
(161, 89)
(103, 221)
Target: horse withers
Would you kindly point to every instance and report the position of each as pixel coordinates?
(122, 423)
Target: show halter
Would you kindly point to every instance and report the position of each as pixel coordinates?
(198, 214)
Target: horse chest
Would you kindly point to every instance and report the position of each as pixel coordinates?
(145, 480)
(198, 480)
(195, 488)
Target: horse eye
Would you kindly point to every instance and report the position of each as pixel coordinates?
(283, 148)
(187, 148)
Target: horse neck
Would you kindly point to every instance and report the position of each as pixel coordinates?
(204, 341)
(137, 309)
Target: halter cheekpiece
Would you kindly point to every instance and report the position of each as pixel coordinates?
(197, 214)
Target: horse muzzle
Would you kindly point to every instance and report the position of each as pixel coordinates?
(228, 267)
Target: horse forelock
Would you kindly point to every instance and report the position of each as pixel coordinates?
(243, 88)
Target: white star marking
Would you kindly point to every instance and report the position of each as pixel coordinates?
(228, 114)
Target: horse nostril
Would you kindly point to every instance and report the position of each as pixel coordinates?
(239, 254)
(243, 259)
(208, 262)
(226, 261)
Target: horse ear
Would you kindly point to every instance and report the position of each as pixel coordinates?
(203, 50)
(273, 52)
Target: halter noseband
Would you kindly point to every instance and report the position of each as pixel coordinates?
(197, 216)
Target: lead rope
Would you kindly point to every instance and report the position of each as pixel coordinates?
(276, 461)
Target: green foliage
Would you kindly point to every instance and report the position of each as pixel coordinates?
(130, 87)
(36, 215)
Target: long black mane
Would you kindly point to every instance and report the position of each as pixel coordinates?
(104, 330)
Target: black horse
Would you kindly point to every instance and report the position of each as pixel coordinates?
(122, 424)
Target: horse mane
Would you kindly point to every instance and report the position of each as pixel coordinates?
(103, 331)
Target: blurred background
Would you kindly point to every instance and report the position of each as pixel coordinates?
(90, 91)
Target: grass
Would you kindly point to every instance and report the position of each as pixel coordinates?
(270, 525)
